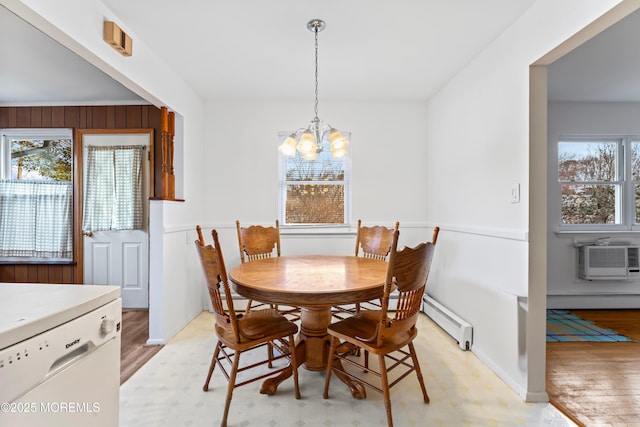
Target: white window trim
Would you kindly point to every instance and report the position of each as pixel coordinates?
(5, 170)
(627, 205)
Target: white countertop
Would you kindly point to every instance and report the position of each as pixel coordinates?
(28, 309)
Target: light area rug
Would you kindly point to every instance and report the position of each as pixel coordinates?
(167, 391)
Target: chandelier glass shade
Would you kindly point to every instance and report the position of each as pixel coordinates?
(312, 140)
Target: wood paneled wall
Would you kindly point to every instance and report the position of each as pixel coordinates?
(82, 117)
(38, 273)
(75, 117)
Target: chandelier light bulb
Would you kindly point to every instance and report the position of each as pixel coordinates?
(338, 153)
(307, 143)
(288, 147)
(310, 155)
(336, 140)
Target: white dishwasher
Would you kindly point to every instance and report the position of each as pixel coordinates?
(59, 355)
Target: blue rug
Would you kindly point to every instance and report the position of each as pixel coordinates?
(564, 326)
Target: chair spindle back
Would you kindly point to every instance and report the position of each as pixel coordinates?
(217, 283)
(375, 241)
(258, 242)
(407, 273)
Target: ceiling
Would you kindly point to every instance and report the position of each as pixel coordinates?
(370, 49)
(605, 68)
(43, 72)
(253, 49)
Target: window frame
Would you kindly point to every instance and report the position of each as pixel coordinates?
(282, 192)
(27, 133)
(6, 134)
(624, 181)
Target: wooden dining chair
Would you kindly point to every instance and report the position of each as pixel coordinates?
(389, 335)
(257, 242)
(239, 333)
(371, 242)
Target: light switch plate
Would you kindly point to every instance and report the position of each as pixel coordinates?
(515, 193)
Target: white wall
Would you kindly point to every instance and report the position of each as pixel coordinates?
(175, 297)
(387, 150)
(478, 146)
(565, 290)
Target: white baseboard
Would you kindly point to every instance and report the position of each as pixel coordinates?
(533, 397)
(586, 302)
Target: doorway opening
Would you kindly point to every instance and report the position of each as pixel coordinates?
(544, 217)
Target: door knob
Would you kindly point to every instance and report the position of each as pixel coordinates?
(87, 233)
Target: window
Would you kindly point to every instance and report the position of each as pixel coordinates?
(314, 192)
(599, 180)
(36, 194)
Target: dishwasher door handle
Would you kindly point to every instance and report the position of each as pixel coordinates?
(71, 357)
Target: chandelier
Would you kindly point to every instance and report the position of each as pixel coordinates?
(309, 141)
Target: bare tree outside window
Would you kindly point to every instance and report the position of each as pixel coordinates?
(589, 177)
(635, 176)
(35, 159)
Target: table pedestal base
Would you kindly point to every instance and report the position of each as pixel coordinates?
(312, 350)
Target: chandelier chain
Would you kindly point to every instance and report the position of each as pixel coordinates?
(316, 45)
(309, 142)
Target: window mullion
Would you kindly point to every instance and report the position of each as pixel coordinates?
(626, 197)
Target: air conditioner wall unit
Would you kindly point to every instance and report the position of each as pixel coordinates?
(608, 262)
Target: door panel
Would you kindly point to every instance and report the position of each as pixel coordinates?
(132, 274)
(99, 260)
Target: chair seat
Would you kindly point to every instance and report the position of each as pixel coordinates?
(262, 323)
(257, 326)
(363, 325)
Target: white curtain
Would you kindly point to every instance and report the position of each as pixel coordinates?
(36, 219)
(113, 188)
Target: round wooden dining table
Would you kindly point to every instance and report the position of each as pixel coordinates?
(314, 283)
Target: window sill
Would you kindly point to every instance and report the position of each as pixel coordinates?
(594, 232)
(36, 261)
(166, 200)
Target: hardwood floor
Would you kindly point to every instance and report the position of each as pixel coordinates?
(134, 351)
(598, 384)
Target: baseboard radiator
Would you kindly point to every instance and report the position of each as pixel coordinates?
(459, 329)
